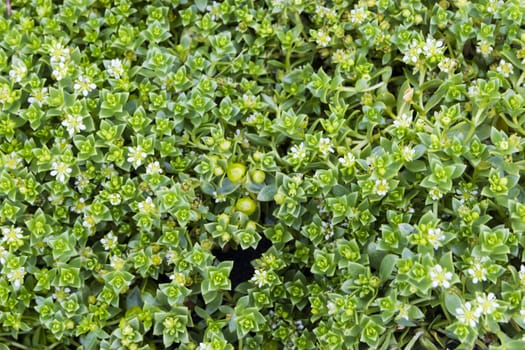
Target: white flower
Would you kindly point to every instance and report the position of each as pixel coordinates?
(89, 222)
(505, 68)
(153, 168)
(348, 160)
(12, 160)
(435, 236)
(403, 309)
(39, 96)
(484, 48)
(12, 235)
(358, 15)
(4, 253)
(84, 85)
(435, 194)
(408, 153)
(323, 39)
(493, 6)
(136, 155)
(260, 278)
(147, 206)
(114, 199)
(115, 68)
(403, 121)
(74, 124)
(381, 187)
(332, 308)
(477, 271)
(79, 206)
(19, 71)
(59, 53)
(81, 182)
(17, 277)
(487, 303)
(433, 47)
(110, 241)
(60, 71)
(325, 146)
(413, 53)
(440, 277)
(299, 152)
(205, 346)
(117, 263)
(522, 274)
(61, 170)
(467, 315)
(448, 65)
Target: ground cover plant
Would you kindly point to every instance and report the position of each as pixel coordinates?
(280, 174)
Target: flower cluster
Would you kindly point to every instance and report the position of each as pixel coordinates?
(294, 173)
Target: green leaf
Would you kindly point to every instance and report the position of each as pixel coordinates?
(452, 302)
(267, 193)
(387, 266)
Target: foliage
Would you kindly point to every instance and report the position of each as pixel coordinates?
(376, 145)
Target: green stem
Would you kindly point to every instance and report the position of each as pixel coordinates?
(240, 344)
(473, 124)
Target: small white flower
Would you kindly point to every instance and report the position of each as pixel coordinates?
(115, 199)
(522, 274)
(448, 65)
(147, 206)
(39, 96)
(153, 168)
(17, 277)
(484, 48)
(74, 124)
(332, 308)
(403, 309)
(325, 146)
(440, 277)
(12, 160)
(80, 206)
(116, 262)
(12, 235)
(358, 15)
(435, 237)
(115, 68)
(60, 71)
(487, 303)
(298, 152)
(435, 194)
(433, 47)
(403, 121)
(381, 187)
(89, 222)
(205, 346)
(19, 71)
(260, 278)
(505, 68)
(4, 253)
(493, 6)
(348, 160)
(408, 153)
(136, 155)
(323, 39)
(84, 85)
(467, 315)
(413, 53)
(61, 170)
(110, 241)
(59, 53)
